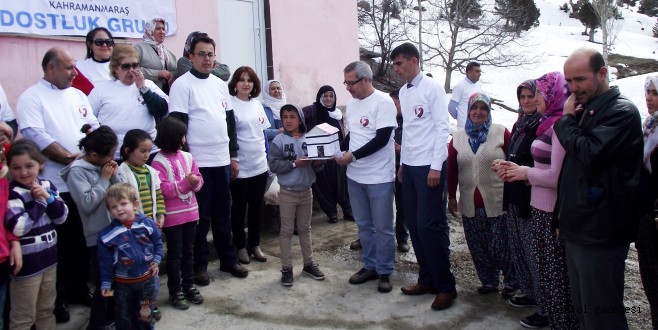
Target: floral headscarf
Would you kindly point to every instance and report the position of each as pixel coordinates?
(649, 126)
(272, 102)
(553, 87)
(149, 27)
(525, 120)
(190, 38)
(477, 133)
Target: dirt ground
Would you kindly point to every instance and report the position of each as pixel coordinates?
(260, 302)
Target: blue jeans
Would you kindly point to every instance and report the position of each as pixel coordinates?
(372, 208)
(134, 304)
(425, 215)
(214, 201)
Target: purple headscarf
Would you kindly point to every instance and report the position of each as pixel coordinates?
(553, 87)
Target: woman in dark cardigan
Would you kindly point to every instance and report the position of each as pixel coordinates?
(330, 185)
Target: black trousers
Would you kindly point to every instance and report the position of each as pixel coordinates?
(72, 257)
(180, 256)
(330, 187)
(247, 196)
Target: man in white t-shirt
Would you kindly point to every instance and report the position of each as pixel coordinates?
(202, 101)
(6, 115)
(371, 118)
(422, 173)
(51, 114)
(458, 106)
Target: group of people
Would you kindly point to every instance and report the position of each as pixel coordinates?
(143, 144)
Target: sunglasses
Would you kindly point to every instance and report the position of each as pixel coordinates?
(128, 66)
(107, 42)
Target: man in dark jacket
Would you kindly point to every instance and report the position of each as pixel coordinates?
(602, 136)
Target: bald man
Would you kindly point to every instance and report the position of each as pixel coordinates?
(50, 113)
(597, 210)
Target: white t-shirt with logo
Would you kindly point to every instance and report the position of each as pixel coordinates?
(122, 107)
(250, 121)
(426, 129)
(364, 118)
(206, 102)
(94, 71)
(461, 93)
(60, 113)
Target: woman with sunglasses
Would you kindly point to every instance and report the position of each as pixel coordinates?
(158, 63)
(96, 65)
(128, 101)
(185, 64)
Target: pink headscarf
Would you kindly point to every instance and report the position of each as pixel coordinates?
(553, 88)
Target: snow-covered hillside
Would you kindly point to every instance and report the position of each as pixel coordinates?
(555, 38)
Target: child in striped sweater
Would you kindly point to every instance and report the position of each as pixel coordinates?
(33, 209)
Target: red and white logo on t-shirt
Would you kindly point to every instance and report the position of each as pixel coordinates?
(83, 111)
(261, 120)
(224, 104)
(418, 111)
(364, 121)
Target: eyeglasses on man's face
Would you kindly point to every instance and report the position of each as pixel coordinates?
(107, 42)
(351, 83)
(128, 66)
(204, 54)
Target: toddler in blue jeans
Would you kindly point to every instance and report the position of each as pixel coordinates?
(129, 252)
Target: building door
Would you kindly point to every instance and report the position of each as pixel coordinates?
(242, 35)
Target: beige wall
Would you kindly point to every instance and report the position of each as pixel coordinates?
(312, 45)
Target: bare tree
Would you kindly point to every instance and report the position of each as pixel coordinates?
(465, 31)
(607, 13)
(380, 28)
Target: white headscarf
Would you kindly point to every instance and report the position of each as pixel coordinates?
(149, 27)
(649, 127)
(272, 102)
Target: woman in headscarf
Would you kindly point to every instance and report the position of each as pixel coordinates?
(330, 185)
(185, 64)
(158, 63)
(548, 252)
(274, 97)
(517, 194)
(647, 240)
(470, 155)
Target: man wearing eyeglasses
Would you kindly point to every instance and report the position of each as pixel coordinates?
(202, 101)
(50, 113)
(370, 161)
(422, 173)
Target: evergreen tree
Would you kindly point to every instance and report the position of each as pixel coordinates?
(648, 7)
(461, 11)
(655, 30)
(520, 15)
(588, 17)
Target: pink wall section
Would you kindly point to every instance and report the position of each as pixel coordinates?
(313, 45)
(312, 42)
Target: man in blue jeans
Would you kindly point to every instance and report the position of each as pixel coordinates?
(423, 156)
(370, 173)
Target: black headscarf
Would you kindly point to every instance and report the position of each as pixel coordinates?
(322, 112)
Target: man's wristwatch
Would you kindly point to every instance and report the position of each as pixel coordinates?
(353, 158)
(143, 89)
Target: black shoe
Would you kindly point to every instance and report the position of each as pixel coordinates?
(178, 301)
(313, 271)
(487, 289)
(363, 275)
(535, 321)
(157, 315)
(193, 295)
(201, 278)
(522, 302)
(62, 314)
(236, 270)
(286, 277)
(348, 217)
(508, 292)
(384, 284)
(403, 247)
(333, 219)
(356, 245)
